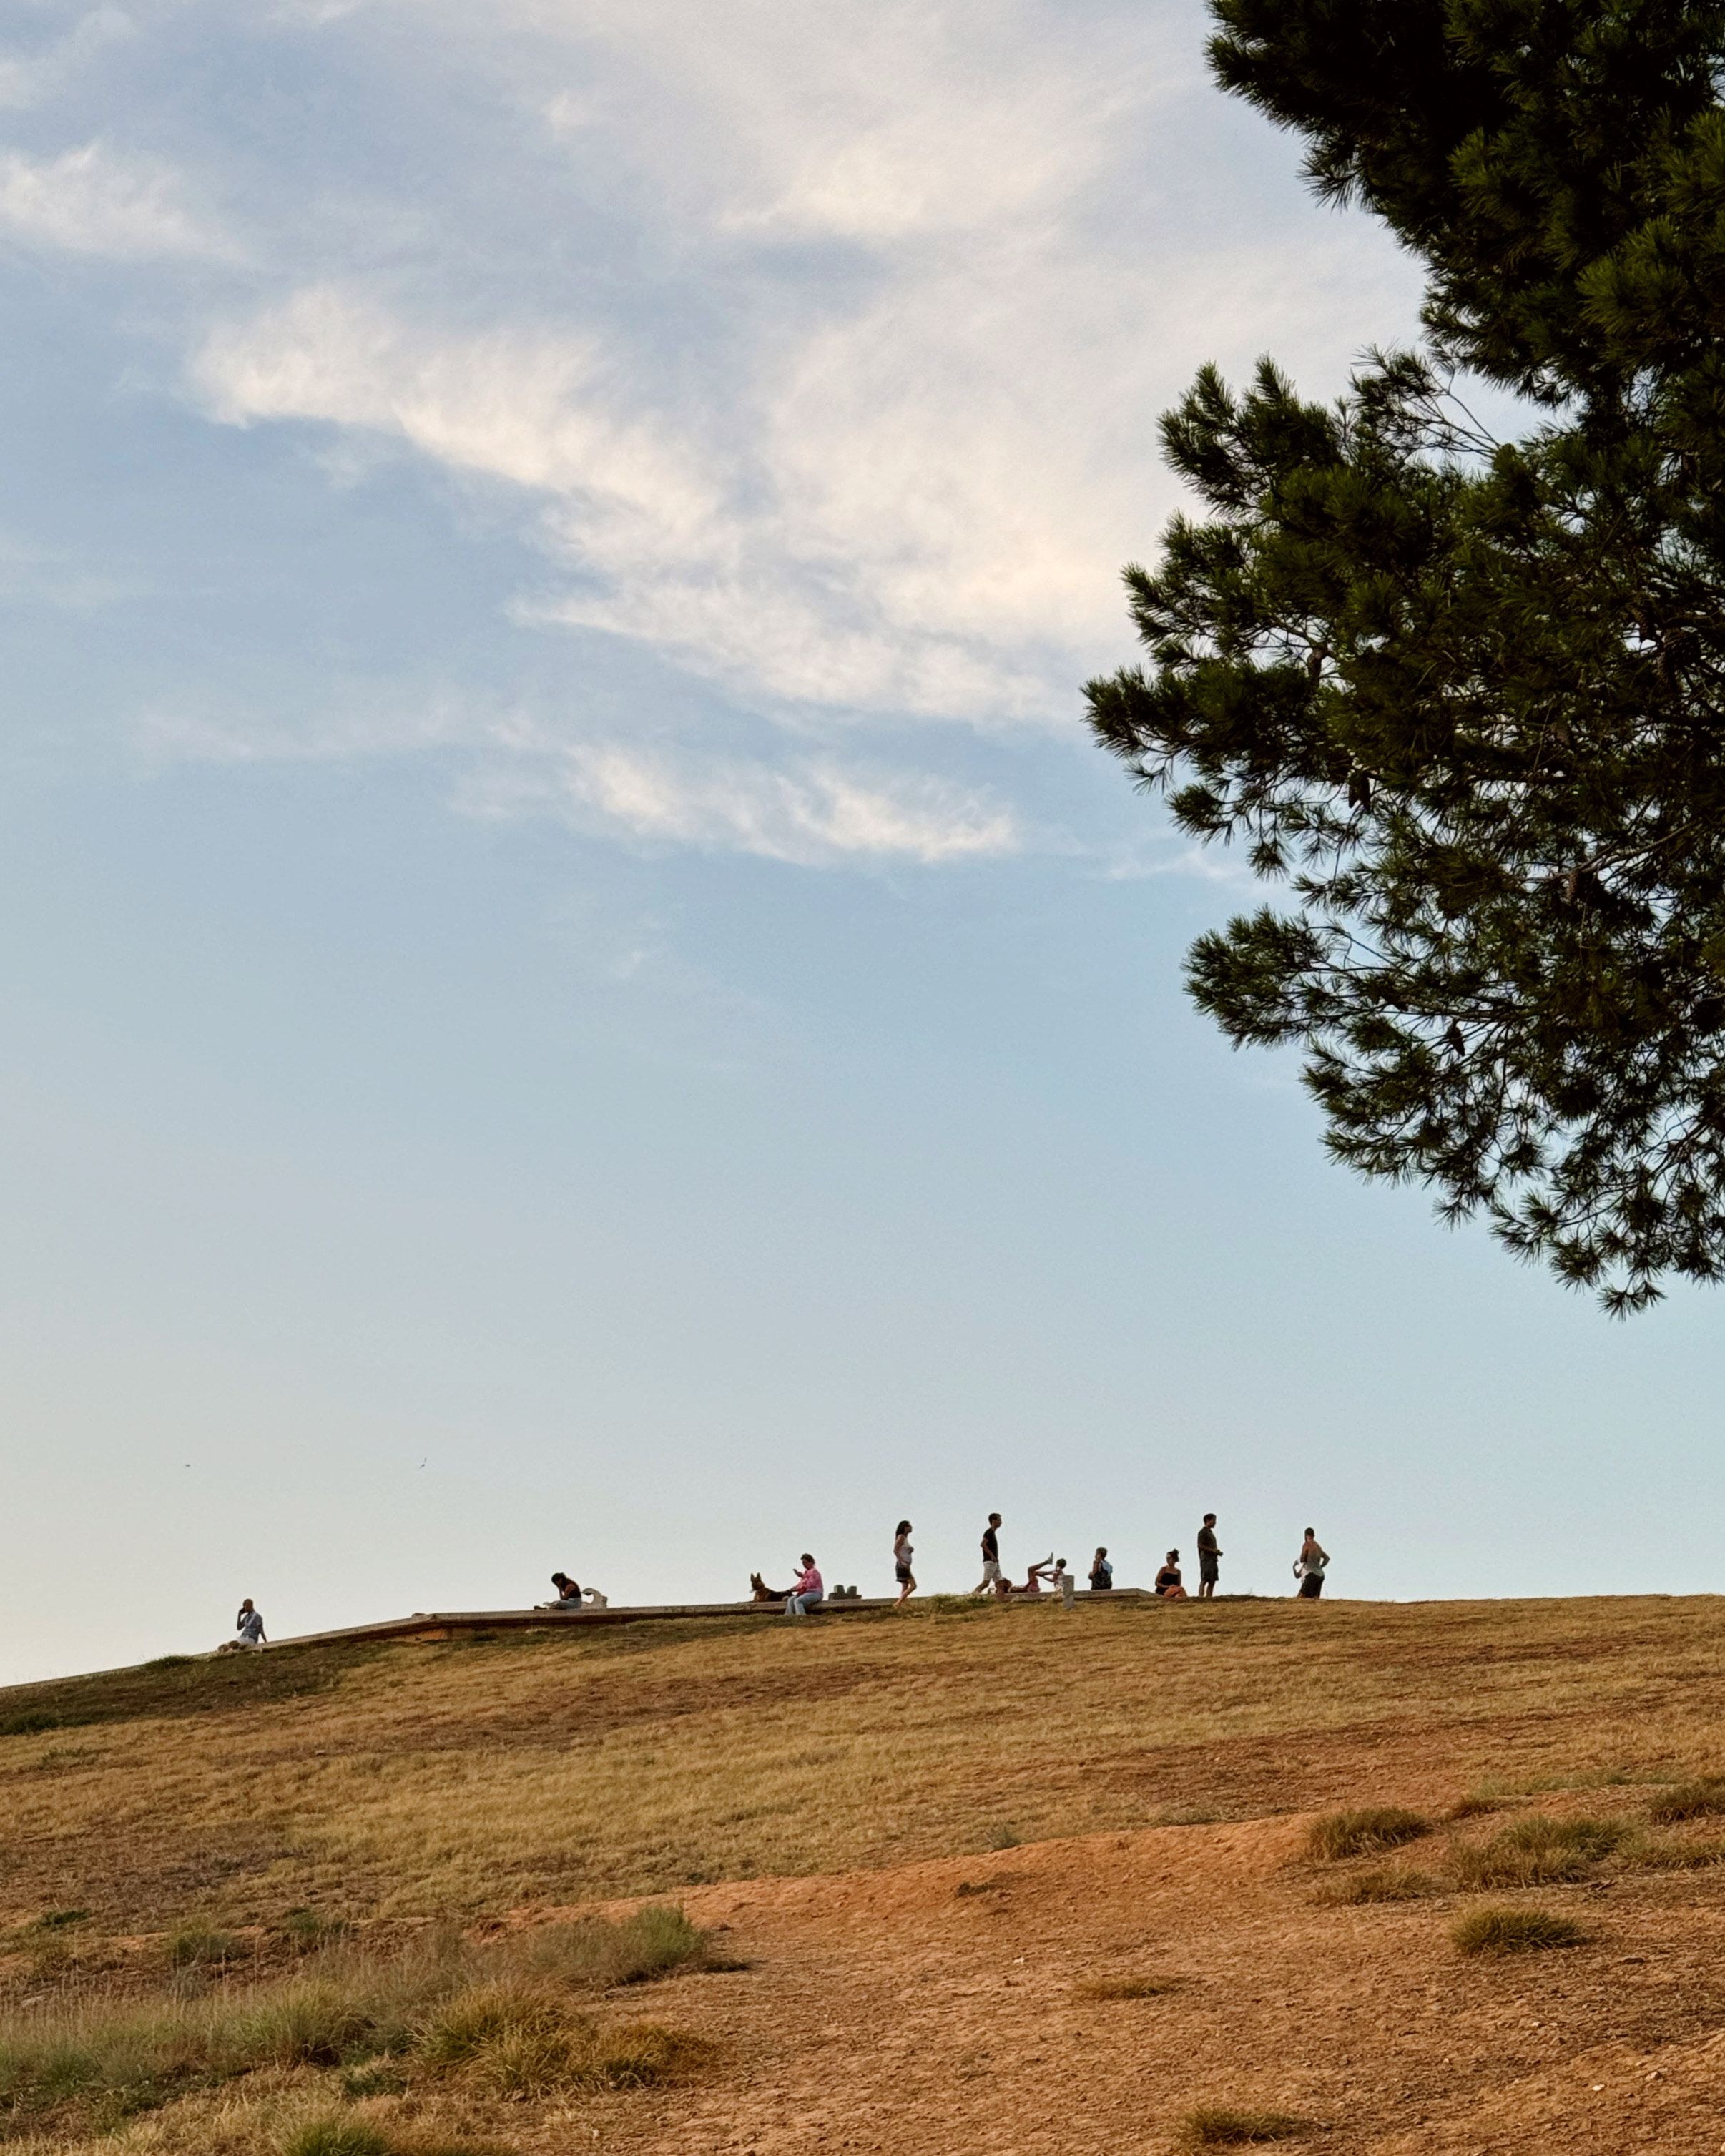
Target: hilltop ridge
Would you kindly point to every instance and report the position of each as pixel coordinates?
(924, 1834)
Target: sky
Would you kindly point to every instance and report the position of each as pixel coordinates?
(575, 993)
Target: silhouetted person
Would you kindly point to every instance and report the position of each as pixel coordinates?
(993, 1579)
(902, 1553)
(1310, 1566)
(1209, 1558)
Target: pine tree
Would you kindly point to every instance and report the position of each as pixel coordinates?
(1464, 699)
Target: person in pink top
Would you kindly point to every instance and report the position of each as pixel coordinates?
(808, 1593)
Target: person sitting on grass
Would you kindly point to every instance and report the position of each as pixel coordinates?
(808, 1593)
(249, 1627)
(1102, 1573)
(1168, 1580)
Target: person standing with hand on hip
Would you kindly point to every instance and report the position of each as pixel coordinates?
(1310, 1566)
(1210, 1554)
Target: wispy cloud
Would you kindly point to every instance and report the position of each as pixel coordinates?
(97, 200)
(884, 440)
(28, 79)
(810, 812)
(815, 351)
(516, 762)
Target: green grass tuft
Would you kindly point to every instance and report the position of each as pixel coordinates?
(1342, 1834)
(1383, 1883)
(1478, 1802)
(203, 1946)
(1222, 2126)
(87, 2062)
(1539, 1851)
(1509, 1929)
(337, 2137)
(1698, 1799)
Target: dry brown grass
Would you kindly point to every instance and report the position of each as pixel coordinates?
(471, 1776)
(1223, 2126)
(1538, 1852)
(1514, 1928)
(1364, 1832)
(1703, 1798)
(1379, 1882)
(1126, 1987)
(508, 2018)
(255, 1821)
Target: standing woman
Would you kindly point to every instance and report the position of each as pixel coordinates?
(1309, 1566)
(901, 1555)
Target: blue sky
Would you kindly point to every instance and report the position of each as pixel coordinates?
(559, 921)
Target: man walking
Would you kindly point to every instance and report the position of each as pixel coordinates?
(993, 1580)
(1208, 1557)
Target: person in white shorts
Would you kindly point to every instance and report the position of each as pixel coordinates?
(993, 1579)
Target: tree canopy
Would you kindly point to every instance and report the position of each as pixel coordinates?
(1463, 699)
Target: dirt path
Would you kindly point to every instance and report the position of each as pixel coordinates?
(934, 2009)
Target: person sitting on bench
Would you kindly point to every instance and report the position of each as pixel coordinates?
(808, 1593)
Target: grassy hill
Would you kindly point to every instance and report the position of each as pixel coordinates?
(924, 1835)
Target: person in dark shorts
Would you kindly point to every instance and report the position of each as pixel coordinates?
(902, 1554)
(1168, 1580)
(1310, 1566)
(1209, 1558)
(993, 1579)
(1102, 1573)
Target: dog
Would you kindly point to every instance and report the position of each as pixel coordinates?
(759, 1591)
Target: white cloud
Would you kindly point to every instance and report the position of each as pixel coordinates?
(96, 200)
(810, 812)
(517, 762)
(816, 350)
(896, 477)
